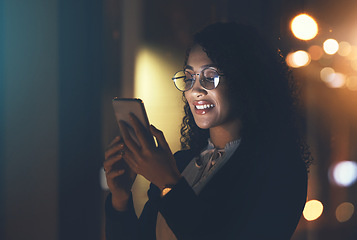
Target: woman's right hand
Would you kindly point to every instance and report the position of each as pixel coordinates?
(120, 177)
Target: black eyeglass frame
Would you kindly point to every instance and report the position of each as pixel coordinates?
(201, 79)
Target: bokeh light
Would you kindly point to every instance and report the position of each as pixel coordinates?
(304, 27)
(289, 60)
(331, 46)
(354, 64)
(353, 54)
(313, 210)
(344, 212)
(315, 52)
(344, 173)
(344, 49)
(336, 80)
(326, 74)
(351, 83)
(298, 59)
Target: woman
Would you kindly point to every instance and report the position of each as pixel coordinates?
(242, 173)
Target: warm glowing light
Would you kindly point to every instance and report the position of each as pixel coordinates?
(154, 68)
(301, 58)
(351, 83)
(353, 53)
(336, 80)
(315, 52)
(298, 59)
(304, 27)
(344, 173)
(289, 60)
(344, 211)
(344, 49)
(332, 79)
(326, 74)
(153, 71)
(354, 64)
(313, 210)
(330, 46)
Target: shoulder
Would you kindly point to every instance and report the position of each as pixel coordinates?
(183, 153)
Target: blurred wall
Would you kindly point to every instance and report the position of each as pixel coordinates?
(30, 119)
(50, 119)
(80, 153)
(2, 127)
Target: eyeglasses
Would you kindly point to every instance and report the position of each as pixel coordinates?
(208, 77)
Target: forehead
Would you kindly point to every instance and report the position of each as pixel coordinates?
(197, 57)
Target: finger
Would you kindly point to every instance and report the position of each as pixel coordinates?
(113, 150)
(114, 141)
(159, 135)
(114, 174)
(141, 132)
(108, 164)
(128, 140)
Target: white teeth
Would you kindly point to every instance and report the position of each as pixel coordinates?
(205, 106)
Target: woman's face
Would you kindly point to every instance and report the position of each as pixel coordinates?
(210, 108)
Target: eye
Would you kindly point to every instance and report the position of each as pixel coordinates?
(188, 81)
(210, 79)
(188, 76)
(211, 75)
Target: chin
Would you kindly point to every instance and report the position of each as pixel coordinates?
(203, 125)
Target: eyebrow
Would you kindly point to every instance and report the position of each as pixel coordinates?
(203, 66)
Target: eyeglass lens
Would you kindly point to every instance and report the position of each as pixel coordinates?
(184, 80)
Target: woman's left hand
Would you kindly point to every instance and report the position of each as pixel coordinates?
(155, 163)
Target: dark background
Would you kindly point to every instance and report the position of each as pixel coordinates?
(62, 61)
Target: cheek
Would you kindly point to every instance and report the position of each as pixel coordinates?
(225, 108)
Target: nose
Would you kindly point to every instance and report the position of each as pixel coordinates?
(197, 88)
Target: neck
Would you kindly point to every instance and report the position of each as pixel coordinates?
(223, 134)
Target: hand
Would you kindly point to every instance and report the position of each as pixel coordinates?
(120, 177)
(155, 163)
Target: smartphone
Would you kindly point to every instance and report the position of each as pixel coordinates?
(124, 106)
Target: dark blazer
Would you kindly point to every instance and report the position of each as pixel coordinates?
(248, 198)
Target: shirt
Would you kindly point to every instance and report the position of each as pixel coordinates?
(198, 173)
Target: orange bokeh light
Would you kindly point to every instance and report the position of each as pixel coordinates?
(304, 27)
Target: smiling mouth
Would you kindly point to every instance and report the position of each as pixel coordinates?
(204, 106)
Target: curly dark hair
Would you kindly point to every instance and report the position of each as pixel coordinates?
(264, 93)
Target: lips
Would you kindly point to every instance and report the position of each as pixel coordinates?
(203, 107)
